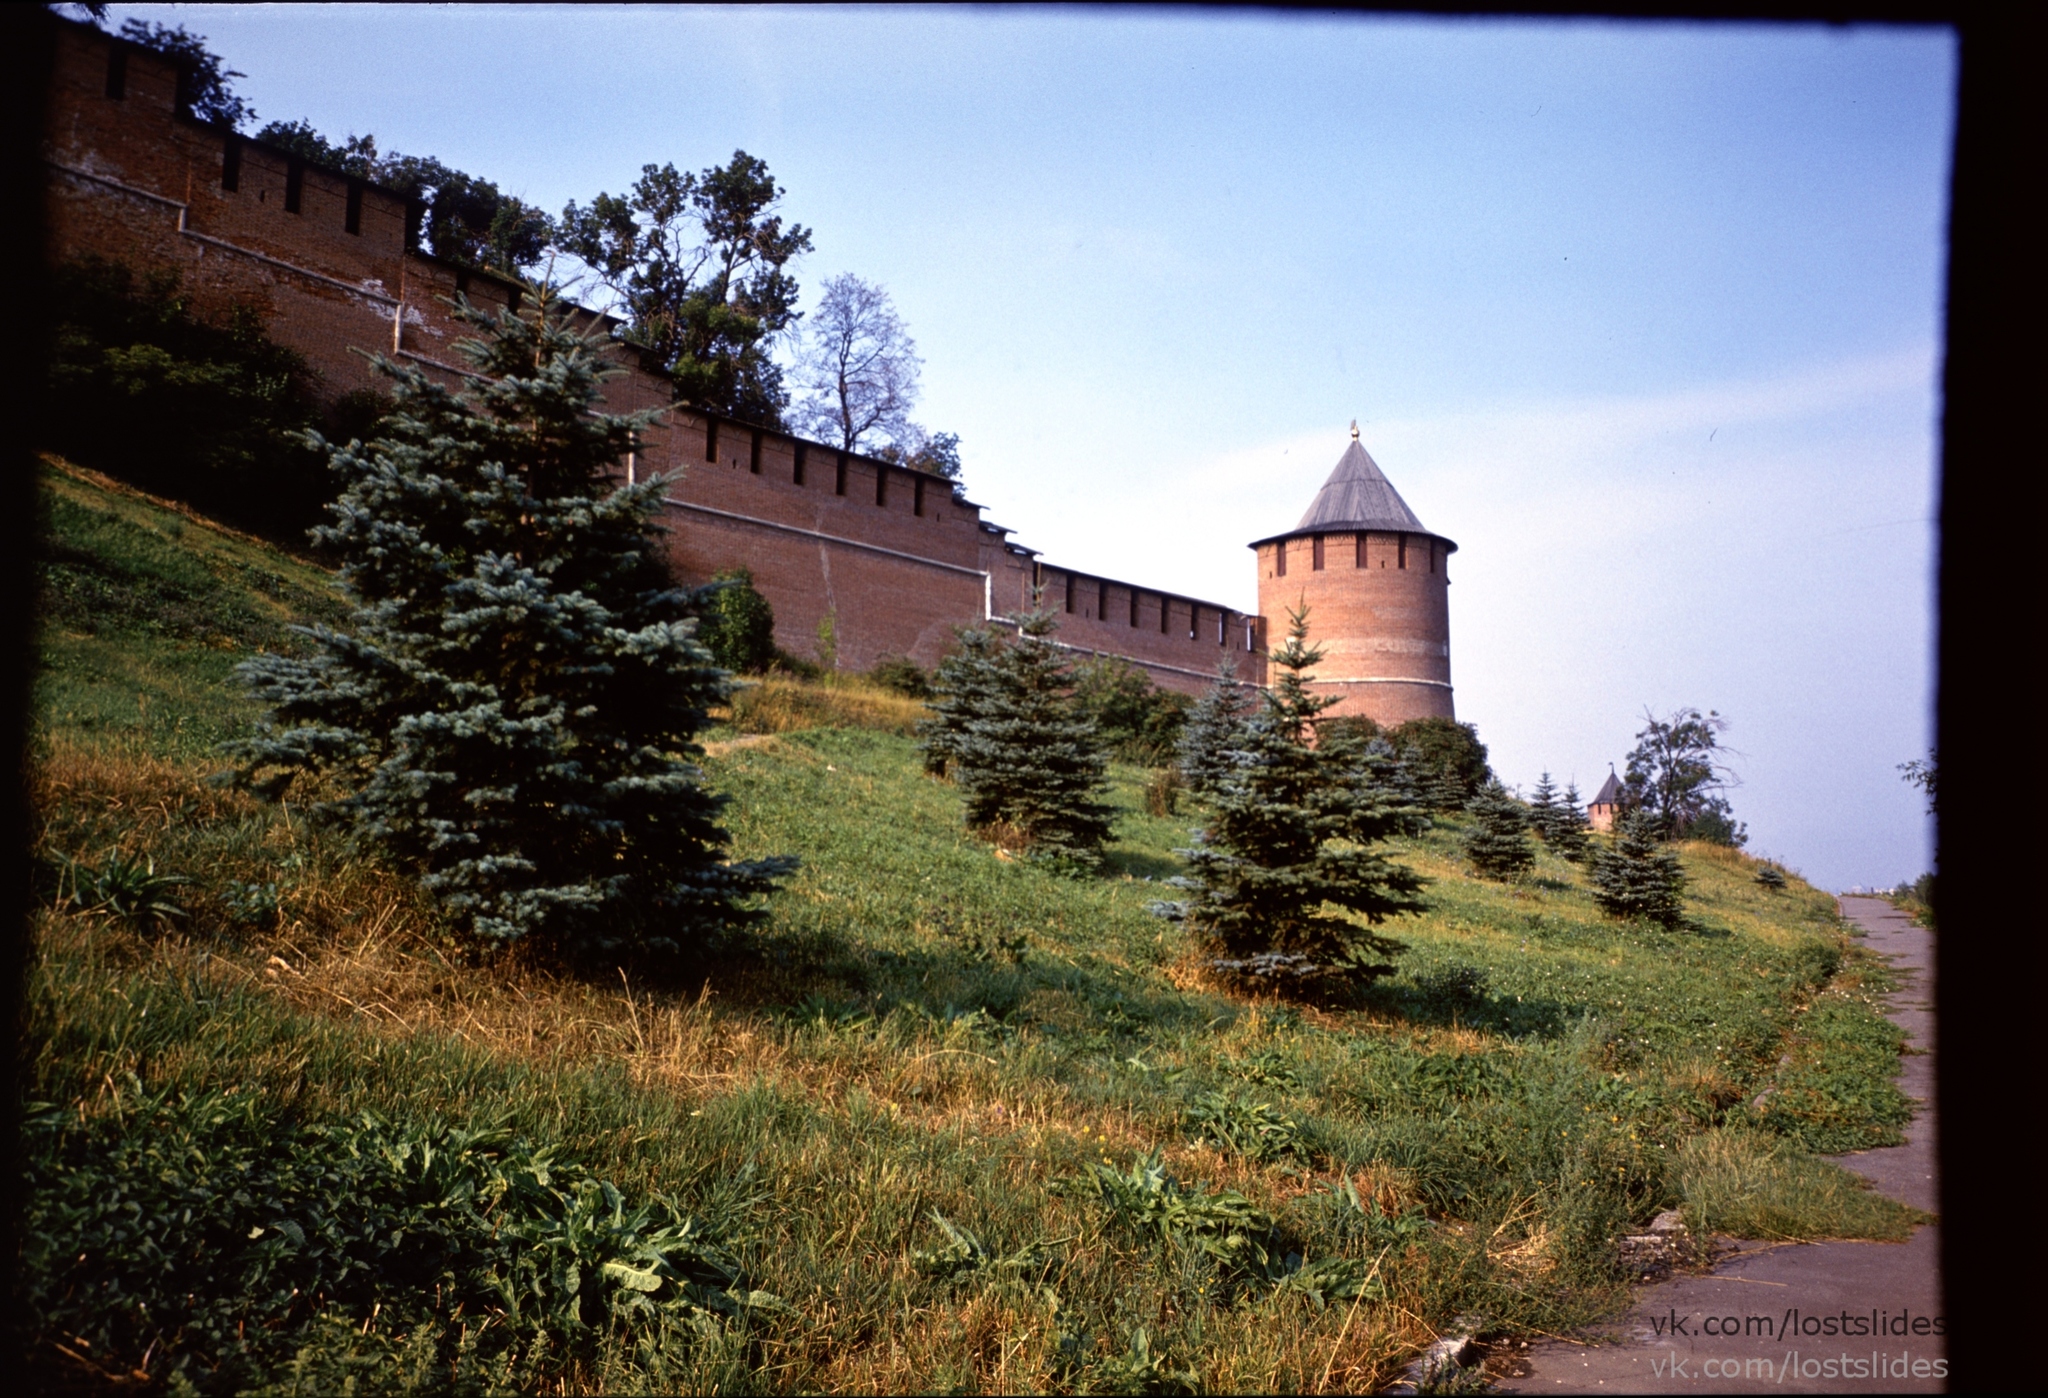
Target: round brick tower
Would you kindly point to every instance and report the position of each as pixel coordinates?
(1376, 584)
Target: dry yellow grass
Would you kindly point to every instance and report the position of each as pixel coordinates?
(784, 704)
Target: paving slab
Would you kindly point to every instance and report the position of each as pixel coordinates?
(1798, 1317)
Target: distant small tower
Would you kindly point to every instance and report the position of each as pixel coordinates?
(1606, 803)
(1377, 587)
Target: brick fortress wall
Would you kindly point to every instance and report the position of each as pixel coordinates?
(330, 264)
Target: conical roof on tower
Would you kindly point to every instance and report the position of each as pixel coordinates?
(1357, 496)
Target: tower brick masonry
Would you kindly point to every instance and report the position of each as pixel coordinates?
(1377, 586)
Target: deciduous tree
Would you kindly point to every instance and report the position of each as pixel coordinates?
(858, 370)
(205, 82)
(697, 265)
(936, 452)
(1446, 760)
(1921, 772)
(467, 219)
(1675, 776)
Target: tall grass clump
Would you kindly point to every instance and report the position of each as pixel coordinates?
(194, 1234)
(1753, 1184)
(782, 703)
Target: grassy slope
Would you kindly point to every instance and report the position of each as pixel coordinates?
(930, 1027)
(147, 608)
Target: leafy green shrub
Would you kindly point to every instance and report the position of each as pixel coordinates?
(1139, 721)
(903, 676)
(130, 891)
(1771, 879)
(737, 625)
(1256, 1130)
(1162, 791)
(205, 1235)
(1446, 758)
(142, 389)
(1717, 825)
(1352, 728)
(1916, 898)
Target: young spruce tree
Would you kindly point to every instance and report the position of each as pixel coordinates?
(1292, 835)
(1498, 841)
(513, 709)
(1027, 759)
(1543, 807)
(961, 691)
(1213, 736)
(1637, 876)
(1567, 834)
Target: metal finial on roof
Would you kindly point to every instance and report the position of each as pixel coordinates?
(1354, 429)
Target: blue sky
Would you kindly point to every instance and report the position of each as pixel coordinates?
(1646, 316)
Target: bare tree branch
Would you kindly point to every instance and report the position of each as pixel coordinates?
(858, 371)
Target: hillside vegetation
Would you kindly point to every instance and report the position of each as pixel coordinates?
(954, 1123)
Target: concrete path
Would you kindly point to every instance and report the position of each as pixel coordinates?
(1772, 1318)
